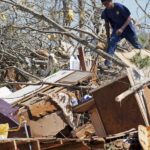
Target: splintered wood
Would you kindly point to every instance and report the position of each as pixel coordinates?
(144, 137)
(85, 131)
(42, 108)
(76, 77)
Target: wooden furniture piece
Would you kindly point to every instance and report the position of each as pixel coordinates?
(118, 117)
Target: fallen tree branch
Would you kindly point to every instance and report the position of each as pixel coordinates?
(47, 83)
(24, 72)
(61, 28)
(83, 31)
(148, 15)
(132, 90)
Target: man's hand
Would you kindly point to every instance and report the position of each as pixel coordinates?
(119, 31)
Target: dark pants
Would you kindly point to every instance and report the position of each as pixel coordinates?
(112, 43)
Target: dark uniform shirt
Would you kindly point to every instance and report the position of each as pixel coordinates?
(117, 16)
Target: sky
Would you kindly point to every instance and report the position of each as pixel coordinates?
(136, 12)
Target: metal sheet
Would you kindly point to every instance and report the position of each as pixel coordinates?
(7, 114)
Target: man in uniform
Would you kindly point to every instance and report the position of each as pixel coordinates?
(118, 16)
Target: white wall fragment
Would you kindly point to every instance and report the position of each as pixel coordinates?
(4, 91)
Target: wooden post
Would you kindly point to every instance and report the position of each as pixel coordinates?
(81, 58)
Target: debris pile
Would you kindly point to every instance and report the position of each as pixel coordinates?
(72, 109)
(85, 107)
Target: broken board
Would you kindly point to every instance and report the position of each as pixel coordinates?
(75, 77)
(48, 126)
(84, 107)
(31, 89)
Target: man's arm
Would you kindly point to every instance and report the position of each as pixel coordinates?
(107, 27)
(119, 31)
(126, 23)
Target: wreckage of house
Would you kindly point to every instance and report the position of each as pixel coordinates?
(68, 112)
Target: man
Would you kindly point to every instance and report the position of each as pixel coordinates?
(118, 16)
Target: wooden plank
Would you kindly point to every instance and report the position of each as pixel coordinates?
(49, 125)
(28, 98)
(24, 92)
(84, 107)
(52, 144)
(117, 117)
(97, 122)
(81, 58)
(76, 77)
(71, 146)
(35, 97)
